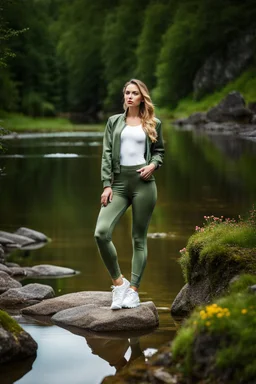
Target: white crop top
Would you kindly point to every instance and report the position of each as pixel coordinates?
(133, 145)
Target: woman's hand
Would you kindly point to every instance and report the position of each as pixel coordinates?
(106, 196)
(146, 172)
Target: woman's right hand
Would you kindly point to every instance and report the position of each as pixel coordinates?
(106, 196)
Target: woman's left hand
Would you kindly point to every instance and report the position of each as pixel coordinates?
(146, 172)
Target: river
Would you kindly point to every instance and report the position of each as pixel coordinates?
(51, 183)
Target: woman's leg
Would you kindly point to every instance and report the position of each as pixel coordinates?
(107, 219)
(143, 204)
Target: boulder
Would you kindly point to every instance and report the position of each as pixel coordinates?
(70, 300)
(103, 319)
(32, 234)
(223, 66)
(15, 343)
(28, 295)
(5, 269)
(252, 107)
(20, 240)
(7, 242)
(7, 282)
(211, 278)
(18, 271)
(48, 270)
(231, 108)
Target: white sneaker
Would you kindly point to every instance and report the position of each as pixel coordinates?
(119, 292)
(131, 299)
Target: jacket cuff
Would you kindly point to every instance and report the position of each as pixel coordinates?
(106, 183)
(155, 163)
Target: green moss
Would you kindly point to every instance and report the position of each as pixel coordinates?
(223, 243)
(19, 122)
(230, 323)
(245, 83)
(9, 324)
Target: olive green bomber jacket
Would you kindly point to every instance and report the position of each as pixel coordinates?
(111, 148)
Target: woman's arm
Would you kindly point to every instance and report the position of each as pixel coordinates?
(157, 148)
(106, 161)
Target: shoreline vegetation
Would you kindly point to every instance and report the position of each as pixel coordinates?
(245, 84)
(216, 342)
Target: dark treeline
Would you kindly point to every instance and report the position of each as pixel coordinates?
(75, 56)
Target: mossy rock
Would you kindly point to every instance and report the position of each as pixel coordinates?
(214, 255)
(15, 343)
(218, 341)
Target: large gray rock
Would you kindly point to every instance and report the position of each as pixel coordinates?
(103, 319)
(5, 269)
(7, 242)
(222, 67)
(7, 282)
(32, 234)
(231, 108)
(28, 295)
(20, 240)
(15, 343)
(71, 300)
(48, 270)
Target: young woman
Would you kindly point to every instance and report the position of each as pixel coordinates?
(132, 150)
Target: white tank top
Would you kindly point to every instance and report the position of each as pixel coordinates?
(133, 145)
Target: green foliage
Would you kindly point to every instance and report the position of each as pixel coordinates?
(8, 323)
(245, 83)
(198, 29)
(230, 322)
(157, 18)
(76, 56)
(120, 37)
(221, 241)
(19, 122)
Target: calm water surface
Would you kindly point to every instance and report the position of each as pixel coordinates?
(51, 183)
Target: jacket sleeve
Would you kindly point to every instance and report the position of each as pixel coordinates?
(106, 161)
(157, 148)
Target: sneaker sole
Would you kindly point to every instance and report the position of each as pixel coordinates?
(131, 306)
(115, 307)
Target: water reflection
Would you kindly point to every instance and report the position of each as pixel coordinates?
(59, 196)
(114, 350)
(10, 373)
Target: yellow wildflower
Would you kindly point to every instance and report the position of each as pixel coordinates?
(244, 311)
(208, 323)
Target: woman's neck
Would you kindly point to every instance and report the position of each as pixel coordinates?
(133, 112)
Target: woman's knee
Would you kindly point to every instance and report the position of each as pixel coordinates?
(101, 234)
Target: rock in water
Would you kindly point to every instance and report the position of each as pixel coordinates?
(27, 295)
(71, 300)
(15, 343)
(32, 234)
(20, 240)
(103, 319)
(231, 108)
(7, 282)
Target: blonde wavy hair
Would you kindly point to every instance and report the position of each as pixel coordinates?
(146, 112)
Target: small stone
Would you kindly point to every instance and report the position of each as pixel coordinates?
(5, 269)
(20, 240)
(49, 270)
(32, 234)
(27, 295)
(7, 282)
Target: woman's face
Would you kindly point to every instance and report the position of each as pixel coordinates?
(132, 96)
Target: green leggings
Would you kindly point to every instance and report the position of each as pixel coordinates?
(128, 189)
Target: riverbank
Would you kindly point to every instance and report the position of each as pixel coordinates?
(245, 84)
(21, 123)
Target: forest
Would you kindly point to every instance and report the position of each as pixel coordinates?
(60, 57)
